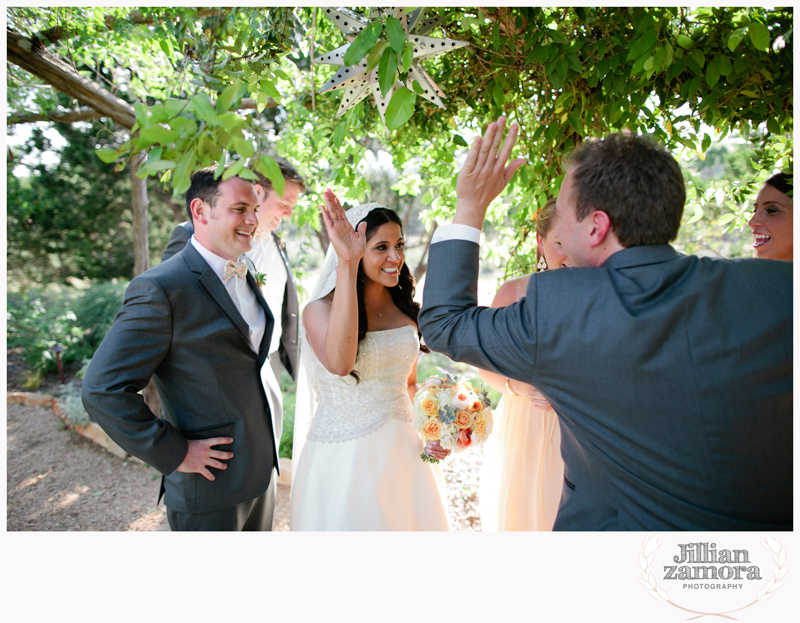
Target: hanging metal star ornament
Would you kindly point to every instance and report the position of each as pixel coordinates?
(357, 83)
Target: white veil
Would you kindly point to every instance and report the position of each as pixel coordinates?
(307, 399)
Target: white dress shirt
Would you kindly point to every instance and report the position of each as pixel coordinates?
(456, 231)
(267, 259)
(241, 295)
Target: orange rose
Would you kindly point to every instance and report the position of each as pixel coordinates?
(464, 439)
(480, 428)
(476, 406)
(463, 420)
(429, 406)
(432, 429)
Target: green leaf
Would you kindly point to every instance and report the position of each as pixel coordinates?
(496, 36)
(268, 87)
(158, 134)
(575, 121)
(773, 126)
(408, 56)
(759, 35)
(396, 34)
(724, 65)
(706, 142)
(182, 172)
(228, 121)
(202, 108)
(400, 108)
(107, 155)
(243, 147)
(362, 44)
(160, 165)
(417, 87)
(387, 70)
(228, 96)
(270, 169)
(183, 126)
(642, 45)
(427, 198)
(698, 214)
(233, 170)
(685, 42)
(698, 57)
(247, 174)
(735, 38)
(175, 107)
(726, 218)
(459, 140)
(375, 55)
(338, 135)
(712, 75)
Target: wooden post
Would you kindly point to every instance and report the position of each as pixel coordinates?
(139, 203)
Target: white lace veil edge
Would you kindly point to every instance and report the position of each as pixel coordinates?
(307, 399)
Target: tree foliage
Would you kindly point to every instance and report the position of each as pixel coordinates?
(687, 76)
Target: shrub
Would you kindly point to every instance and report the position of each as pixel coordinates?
(37, 320)
(97, 309)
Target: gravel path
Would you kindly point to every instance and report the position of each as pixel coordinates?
(58, 480)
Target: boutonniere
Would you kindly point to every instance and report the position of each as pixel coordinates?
(261, 279)
(279, 240)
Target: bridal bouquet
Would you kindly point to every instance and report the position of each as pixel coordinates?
(451, 412)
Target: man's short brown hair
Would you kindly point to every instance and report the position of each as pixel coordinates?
(635, 181)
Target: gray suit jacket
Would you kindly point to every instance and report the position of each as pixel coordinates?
(671, 376)
(179, 326)
(289, 314)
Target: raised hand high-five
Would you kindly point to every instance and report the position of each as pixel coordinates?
(485, 174)
(350, 245)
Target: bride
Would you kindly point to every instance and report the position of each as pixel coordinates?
(359, 465)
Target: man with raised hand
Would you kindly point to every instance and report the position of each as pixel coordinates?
(671, 375)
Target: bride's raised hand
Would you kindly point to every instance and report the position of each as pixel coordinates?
(350, 245)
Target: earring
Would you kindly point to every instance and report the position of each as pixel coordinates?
(541, 264)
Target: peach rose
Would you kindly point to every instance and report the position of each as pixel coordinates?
(480, 427)
(476, 405)
(463, 420)
(429, 406)
(432, 429)
(462, 400)
(464, 439)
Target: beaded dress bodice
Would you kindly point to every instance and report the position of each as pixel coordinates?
(349, 409)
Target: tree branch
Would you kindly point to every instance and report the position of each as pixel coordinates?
(30, 56)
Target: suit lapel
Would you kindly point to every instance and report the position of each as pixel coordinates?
(215, 289)
(263, 349)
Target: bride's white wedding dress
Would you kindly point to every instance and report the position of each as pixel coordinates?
(360, 466)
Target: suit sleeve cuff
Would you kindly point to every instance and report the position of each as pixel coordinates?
(456, 231)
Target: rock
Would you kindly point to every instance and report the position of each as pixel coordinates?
(30, 399)
(98, 435)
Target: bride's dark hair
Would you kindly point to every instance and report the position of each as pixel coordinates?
(402, 294)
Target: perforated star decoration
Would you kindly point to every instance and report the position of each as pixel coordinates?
(357, 83)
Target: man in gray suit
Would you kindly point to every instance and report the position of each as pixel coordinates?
(269, 257)
(671, 375)
(198, 325)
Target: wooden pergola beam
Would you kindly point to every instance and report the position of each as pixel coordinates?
(31, 57)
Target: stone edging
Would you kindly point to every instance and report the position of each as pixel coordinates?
(91, 431)
(96, 434)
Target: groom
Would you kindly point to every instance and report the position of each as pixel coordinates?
(198, 325)
(671, 375)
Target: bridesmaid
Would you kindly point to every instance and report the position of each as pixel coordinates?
(522, 475)
(772, 220)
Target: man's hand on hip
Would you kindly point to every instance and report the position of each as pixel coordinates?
(201, 456)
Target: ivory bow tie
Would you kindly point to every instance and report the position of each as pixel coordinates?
(234, 269)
